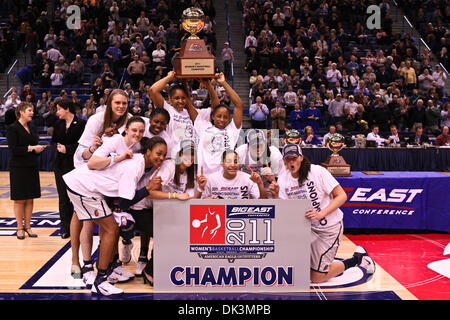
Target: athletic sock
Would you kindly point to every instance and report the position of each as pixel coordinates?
(351, 262)
(126, 241)
(87, 263)
(143, 252)
(101, 276)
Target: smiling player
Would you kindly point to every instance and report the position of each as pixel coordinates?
(303, 180)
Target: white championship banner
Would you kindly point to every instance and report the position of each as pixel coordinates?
(231, 245)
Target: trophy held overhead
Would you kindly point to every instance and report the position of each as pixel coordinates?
(194, 60)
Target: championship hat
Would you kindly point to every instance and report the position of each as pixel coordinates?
(292, 150)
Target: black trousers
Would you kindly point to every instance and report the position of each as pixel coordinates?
(65, 206)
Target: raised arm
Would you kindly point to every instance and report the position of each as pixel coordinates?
(157, 87)
(238, 105)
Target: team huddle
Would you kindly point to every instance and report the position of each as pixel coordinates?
(123, 163)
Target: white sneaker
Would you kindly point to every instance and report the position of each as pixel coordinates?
(117, 278)
(140, 265)
(368, 264)
(89, 278)
(360, 251)
(126, 252)
(106, 289)
(123, 272)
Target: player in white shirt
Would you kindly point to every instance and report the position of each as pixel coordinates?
(113, 151)
(99, 127)
(177, 181)
(156, 125)
(181, 126)
(231, 183)
(261, 157)
(220, 132)
(88, 191)
(303, 180)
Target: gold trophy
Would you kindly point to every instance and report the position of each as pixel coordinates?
(194, 60)
(292, 136)
(335, 163)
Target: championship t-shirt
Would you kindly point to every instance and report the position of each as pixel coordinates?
(166, 173)
(93, 126)
(171, 145)
(241, 187)
(213, 142)
(120, 180)
(169, 184)
(276, 164)
(180, 126)
(115, 145)
(317, 188)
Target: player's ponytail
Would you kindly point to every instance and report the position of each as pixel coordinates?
(303, 171)
(150, 143)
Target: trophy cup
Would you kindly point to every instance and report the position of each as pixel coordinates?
(335, 163)
(292, 136)
(194, 60)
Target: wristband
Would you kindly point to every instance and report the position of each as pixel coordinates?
(113, 158)
(89, 149)
(174, 195)
(200, 190)
(169, 196)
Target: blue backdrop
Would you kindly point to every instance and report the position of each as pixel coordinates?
(397, 200)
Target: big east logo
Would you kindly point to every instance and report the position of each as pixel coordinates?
(207, 224)
(231, 231)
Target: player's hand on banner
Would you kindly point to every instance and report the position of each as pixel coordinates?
(182, 196)
(314, 215)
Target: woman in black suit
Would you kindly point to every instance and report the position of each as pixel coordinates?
(24, 169)
(68, 129)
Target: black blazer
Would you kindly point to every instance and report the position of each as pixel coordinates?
(69, 138)
(423, 139)
(18, 141)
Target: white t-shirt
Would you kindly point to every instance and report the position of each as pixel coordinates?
(93, 125)
(171, 145)
(180, 126)
(166, 173)
(169, 185)
(115, 145)
(120, 180)
(241, 187)
(276, 164)
(213, 142)
(317, 188)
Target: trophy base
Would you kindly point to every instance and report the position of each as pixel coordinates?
(194, 60)
(337, 166)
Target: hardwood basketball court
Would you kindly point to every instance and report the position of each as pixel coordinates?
(41, 266)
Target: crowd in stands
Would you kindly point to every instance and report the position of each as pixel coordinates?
(431, 19)
(315, 64)
(310, 63)
(128, 44)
